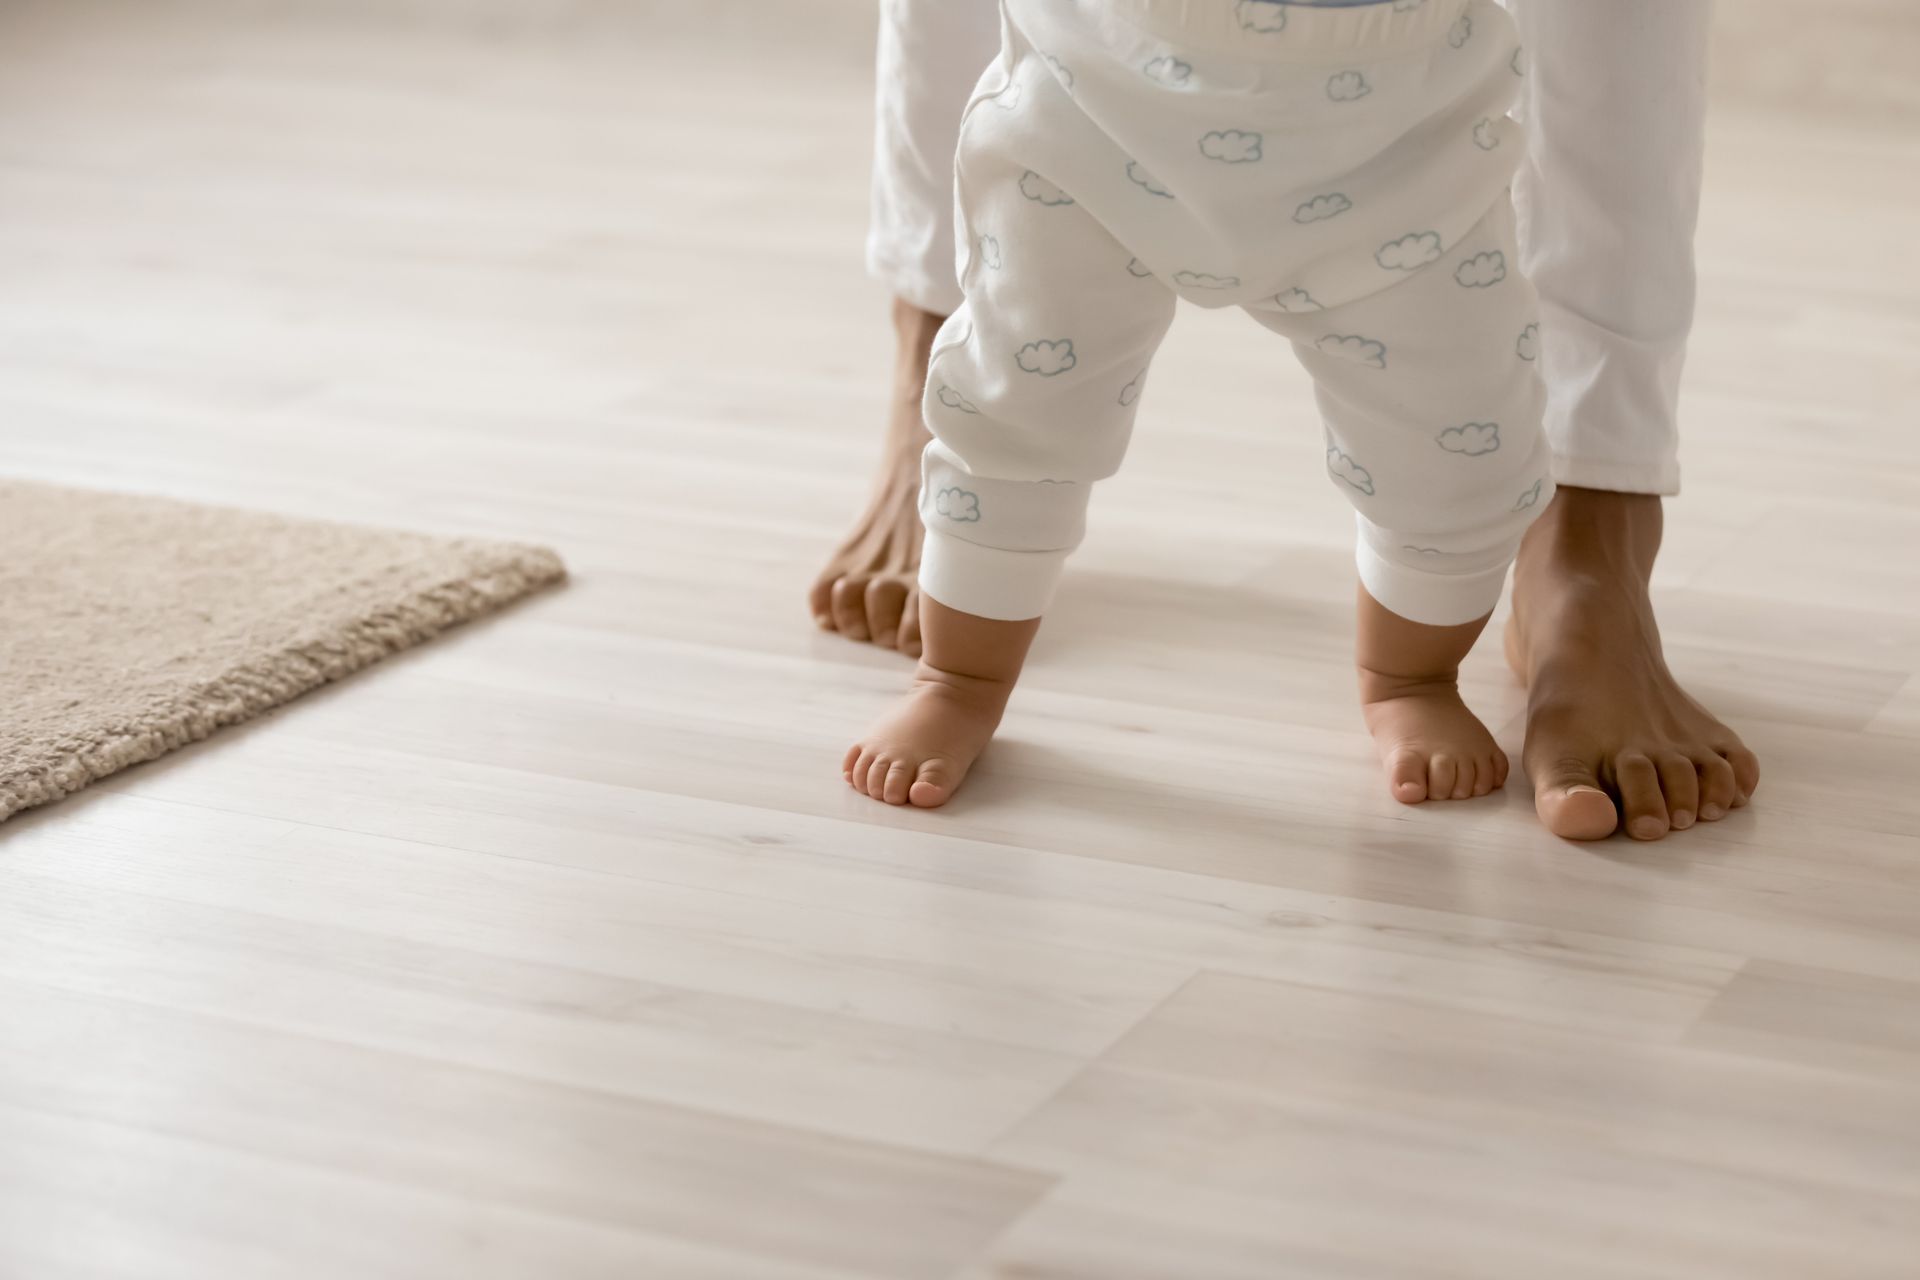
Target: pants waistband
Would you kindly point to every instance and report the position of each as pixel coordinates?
(1267, 30)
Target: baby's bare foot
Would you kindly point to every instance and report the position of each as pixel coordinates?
(919, 752)
(1432, 747)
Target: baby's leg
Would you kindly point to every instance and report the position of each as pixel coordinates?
(920, 750)
(1031, 394)
(1432, 412)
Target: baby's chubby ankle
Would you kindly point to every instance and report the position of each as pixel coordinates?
(1377, 685)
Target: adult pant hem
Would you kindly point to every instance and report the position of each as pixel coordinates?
(1661, 478)
(1008, 586)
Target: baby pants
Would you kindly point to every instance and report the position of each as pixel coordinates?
(1339, 173)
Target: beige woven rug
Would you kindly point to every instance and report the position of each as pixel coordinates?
(130, 626)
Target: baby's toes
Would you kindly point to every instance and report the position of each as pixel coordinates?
(876, 775)
(1489, 771)
(1407, 775)
(1443, 771)
(854, 768)
(897, 782)
(933, 783)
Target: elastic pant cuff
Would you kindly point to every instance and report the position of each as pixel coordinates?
(1432, 599)
(1010, 586)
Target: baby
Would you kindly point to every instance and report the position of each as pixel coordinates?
(1338, 170)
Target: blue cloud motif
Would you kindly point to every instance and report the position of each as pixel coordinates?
(1527, 345)
(1331, 205)
(1202, 280)
(1351, 346)
(1347, 86)
(1035, 187)
(1138, 269)
(1263, 16)
(1231, 146)
(1530, 497)
(1484, 137)
(1347, 471)
(1410, 252)
(1470, 438)
(1131, 392)
(1167, 70)
(958, 505)
(1138, 175)
(1048, 359)
(1482, 270)
(1420, 551)
(1460, 32)
(954, 400)
(1295, 301)
(990, 252)
(1008, 98)
(1065, 76)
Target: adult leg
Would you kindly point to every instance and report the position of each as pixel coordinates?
(1615, 108)
(930, 54)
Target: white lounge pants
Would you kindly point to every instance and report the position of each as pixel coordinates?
(1341, 174)
(1614, 108)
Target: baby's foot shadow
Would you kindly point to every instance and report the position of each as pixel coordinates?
(1108, 614)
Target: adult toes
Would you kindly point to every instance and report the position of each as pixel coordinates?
(1718, 790)
(886, 598)
(1407, 775)
(820, 601)
(1640, 796)
(1746, 771)
(1570, 802)
(850, 607)
(933, 784)
(909, 641)
(1680, 784)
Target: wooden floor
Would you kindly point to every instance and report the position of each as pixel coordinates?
(558, 948)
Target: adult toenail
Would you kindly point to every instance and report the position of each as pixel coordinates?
(1647, 828)
(1712, 812)
(1682, 819)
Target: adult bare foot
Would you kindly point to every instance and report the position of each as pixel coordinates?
(869, 588)
(1612, 739)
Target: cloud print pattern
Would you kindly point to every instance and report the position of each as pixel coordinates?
(1381, 274)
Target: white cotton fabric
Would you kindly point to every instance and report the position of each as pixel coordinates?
(1614, 105)
(1342, 175)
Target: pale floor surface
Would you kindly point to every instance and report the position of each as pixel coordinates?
(558, 948)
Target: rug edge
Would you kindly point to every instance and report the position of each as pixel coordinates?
(499, 575)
